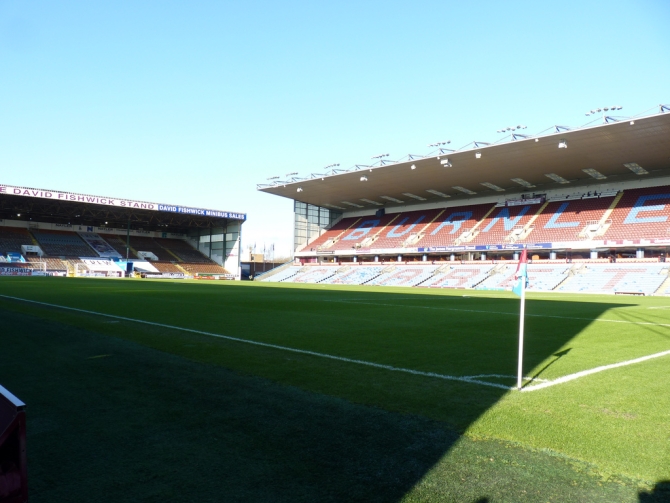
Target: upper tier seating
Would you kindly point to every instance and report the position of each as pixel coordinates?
(641, 214)
(63, 244)
(403, 228)
(11, 239)
(452, 223)
(333, 232)
(564, 220)
(501, 222)
(364, 232)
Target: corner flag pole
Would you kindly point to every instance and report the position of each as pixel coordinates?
(522, 314)
(520, 290)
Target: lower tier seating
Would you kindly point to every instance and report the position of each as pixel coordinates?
(633, 278)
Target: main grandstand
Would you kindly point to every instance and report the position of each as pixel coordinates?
(591, 205)
(49, 232)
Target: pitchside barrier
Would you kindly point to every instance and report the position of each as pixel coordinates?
(13, 472)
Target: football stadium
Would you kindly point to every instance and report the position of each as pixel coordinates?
(380, 363)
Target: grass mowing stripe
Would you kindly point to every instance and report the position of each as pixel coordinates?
(274, 346)
(476, 379)
(505, 313)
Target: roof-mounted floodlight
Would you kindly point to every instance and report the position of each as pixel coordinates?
(292, 174)
(464, 190)
(440, 143)
(393, 199)
(437, 193)
(492, 186)
(299, 189)
(445, 163)
(594, 173)
(523, 182)
(273, 178)
(364, 178)
(562, 144)
(478, 155)
(510, 128)
(371, 202)
(557, 178)
(636, 168)
(413, 166)
(414, 196)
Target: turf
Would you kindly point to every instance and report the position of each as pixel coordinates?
(303, 428)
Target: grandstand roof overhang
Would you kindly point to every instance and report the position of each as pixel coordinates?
(52, 206)
(605, 148)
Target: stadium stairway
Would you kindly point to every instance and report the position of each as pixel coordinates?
(664, 289)
(437, 272)
(273, 271)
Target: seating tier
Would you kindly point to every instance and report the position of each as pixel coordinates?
(641, 214)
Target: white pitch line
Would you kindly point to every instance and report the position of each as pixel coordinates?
(467, 379)
(506, 313)
(577, 375)
(472, 380)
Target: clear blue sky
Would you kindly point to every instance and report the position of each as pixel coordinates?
(194, 103)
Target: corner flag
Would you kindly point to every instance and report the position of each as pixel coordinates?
(520, 290)
(521, 274)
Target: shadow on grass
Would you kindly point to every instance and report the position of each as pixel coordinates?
(659, 494)
(110, 417)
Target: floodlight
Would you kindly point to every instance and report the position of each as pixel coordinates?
(299, 189)
(636, 168)
(556, 178)
(393, 199)
(523, 182)
(413, 196)
(437, 193)
(595, 174)
(493, 186)
(563, 144)
(478, 155)
(464, 190)
(632, 122)
(413, 166)
(445, 163)
(364, 178)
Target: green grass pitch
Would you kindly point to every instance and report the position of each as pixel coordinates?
(351, 394)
